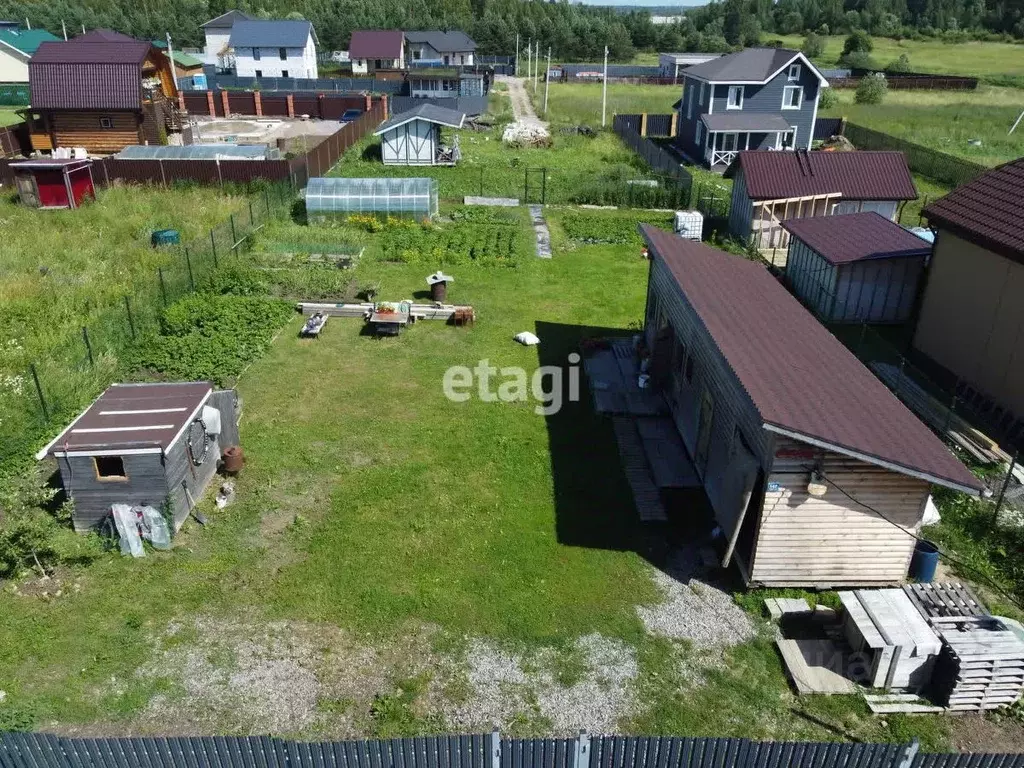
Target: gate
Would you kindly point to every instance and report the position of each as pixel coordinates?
(535, 186)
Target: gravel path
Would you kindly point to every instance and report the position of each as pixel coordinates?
(522, 107)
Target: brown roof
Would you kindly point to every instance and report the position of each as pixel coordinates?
(858, 175)
(857, 237)
(800, 378)
(376, 44)
(98, 70)
(988, 211)
(133, 416)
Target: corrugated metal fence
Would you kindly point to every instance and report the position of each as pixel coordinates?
(827, 127)
(29, 750)
(322, 84)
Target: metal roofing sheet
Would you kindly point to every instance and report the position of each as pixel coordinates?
(745, 121)
(748, 65)
(26, 40)
(799, 377)
(860, 175)
(856, 237)
(428, 112)
(988, 210)
(443, 42)
(270, 33)
(376, 44)
(133, 416)
(226, 20)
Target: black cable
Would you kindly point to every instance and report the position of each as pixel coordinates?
(946, 555)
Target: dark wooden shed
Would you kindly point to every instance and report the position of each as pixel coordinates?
(156, 444)
(54, 183)
(857, 268)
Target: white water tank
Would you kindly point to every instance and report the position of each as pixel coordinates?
(689, 225)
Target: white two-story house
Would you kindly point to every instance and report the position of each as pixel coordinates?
(274, 48)
(433, 48)
(217, 48)
(758, 98)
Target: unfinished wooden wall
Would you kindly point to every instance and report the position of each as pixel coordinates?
(82, 129)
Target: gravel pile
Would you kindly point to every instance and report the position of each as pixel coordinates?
(695, 608)
(506, 688)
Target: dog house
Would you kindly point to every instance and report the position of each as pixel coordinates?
(54, 182)
(144, 444)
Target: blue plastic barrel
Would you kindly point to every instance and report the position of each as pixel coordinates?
(165, 237)
(924, 562)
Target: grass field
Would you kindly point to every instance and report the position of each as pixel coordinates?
(580, 103)
(946, 121)
(979, 59)
(8, 116)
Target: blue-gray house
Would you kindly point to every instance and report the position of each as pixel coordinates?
(758, 98)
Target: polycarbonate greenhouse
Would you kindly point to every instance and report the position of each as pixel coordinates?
(415, 198)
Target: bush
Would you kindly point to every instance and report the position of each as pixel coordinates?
(872, 89)
(814, 45)
(858, 60)
(902, 64)
(827, 98)
(859, 41)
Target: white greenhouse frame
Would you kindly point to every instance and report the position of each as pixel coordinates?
(403, 197)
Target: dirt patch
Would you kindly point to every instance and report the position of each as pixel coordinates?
(991, 733)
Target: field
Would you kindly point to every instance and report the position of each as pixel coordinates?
(946, 120)
(8, 116)
(580, 103)
(978, 59)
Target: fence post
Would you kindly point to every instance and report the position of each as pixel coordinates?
(581, 756)
(163, 287)
(909, 753)
(234, 236)
(213, 245)
(526, 187)
(39, 391)
(128, 311)
(544, 186)
(88, 346)
(188, 263)
(495, 749)
(252, 219)
(1002, 489)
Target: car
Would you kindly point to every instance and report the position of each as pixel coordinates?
(350, 115)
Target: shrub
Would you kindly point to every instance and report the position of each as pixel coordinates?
(858, 60)
(872, 89)
(236, 281)
(827, 98)
(814, 45)
(858, 41)
(902, 64)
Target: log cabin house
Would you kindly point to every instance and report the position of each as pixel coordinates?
(815, 472)
(102, 91)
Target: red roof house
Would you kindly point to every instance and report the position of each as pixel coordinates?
(373, 49)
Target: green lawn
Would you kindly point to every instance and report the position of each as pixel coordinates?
(979, 59)
(946, 121)
(580, 103)
(9, 117)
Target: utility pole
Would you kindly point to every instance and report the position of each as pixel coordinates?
(174, 68)
(547, 83)
(64, 27)
(28, 24)
(517, 55)
(536, 58)
(529, 59)
(604, 88)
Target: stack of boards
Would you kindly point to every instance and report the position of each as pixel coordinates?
(981, 665)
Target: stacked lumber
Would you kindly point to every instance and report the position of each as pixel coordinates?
(363, 309)
(937, 415)
(981, 665)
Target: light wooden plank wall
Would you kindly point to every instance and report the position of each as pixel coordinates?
(832, 540)
(82, 129)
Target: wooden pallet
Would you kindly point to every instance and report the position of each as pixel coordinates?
(939, 601)
(646, 496)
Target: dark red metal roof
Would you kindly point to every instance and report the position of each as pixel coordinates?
(988, 211)
(860, 175)
(376, 44)
(98, 70)
(800, 377)
(856, 237)
(129, 416)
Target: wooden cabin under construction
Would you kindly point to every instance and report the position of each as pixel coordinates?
(102, 91)
(815, 472)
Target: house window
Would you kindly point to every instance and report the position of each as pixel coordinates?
(701, 101)
(689, 104)
(416, 55)
(730, 142)
(256, 55)
(106, 122)
(376, 63)
(735, 97)
(284, 73)
(258, 73)
(792, 97)
(110, 468)
(794, 72)
(283, 53)
(700, 130)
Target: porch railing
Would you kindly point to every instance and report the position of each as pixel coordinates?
(721, 156)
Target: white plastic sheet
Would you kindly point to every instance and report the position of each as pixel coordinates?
(126, 522)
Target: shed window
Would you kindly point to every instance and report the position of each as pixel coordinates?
(283, 53)
(284, 73)
(110, 468)
(735, 97)
(106, 122)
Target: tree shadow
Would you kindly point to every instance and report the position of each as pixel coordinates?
(594, 504)
(372, 153)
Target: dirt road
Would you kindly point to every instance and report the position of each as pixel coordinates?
(522, 108)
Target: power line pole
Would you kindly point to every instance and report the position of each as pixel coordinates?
(517, 55)
(604, 88)
(536, 59)
(174, 67)
(547, 83)
(529, 58)
(64, 27)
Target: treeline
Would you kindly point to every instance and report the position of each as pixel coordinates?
(573, 31)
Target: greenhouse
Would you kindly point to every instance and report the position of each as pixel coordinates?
(415, 198)
(199, 152)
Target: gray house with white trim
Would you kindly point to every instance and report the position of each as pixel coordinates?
(758, 98)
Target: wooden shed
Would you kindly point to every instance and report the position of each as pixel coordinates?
(54, 183)
(857, 268)
(414, 137)
(156, 444)
(814, 471)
